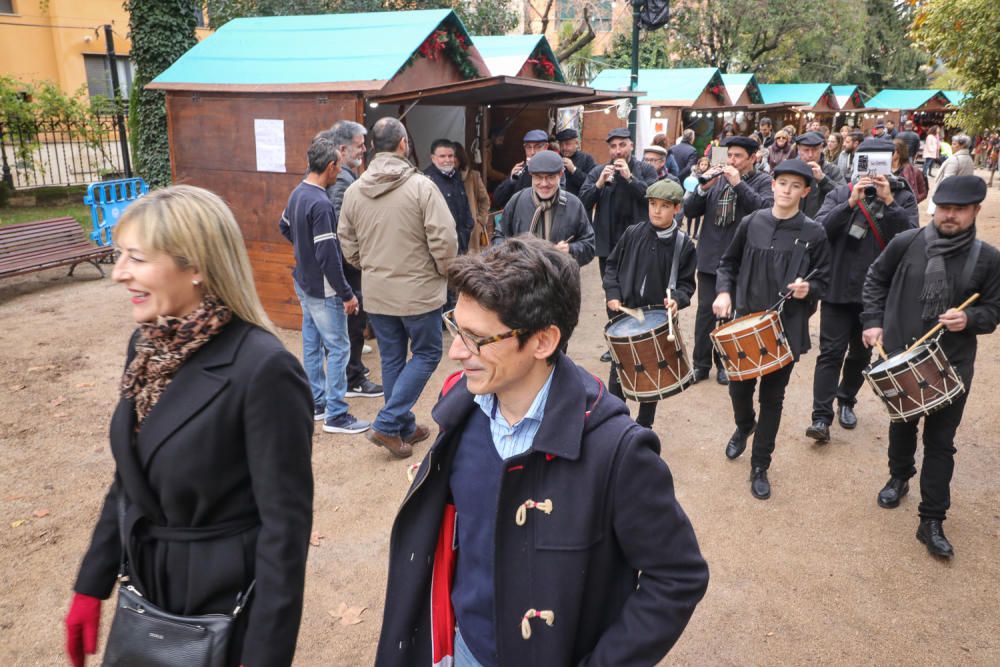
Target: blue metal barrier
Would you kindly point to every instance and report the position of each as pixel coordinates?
(107, 201)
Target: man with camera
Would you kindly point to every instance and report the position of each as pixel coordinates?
(860, 219)
(724, 196)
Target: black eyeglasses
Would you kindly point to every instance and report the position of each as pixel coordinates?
(474, 343)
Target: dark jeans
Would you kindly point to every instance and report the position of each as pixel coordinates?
(939, 453)
(647, 411)
(602, 264)
(836, 376)
(356, 333)
(403, 381)
(771, 398)
(704, 322)
(928, 166)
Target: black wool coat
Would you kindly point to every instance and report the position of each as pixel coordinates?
(812, 202)
(228, 443)
(613, 514)
(608, 227)
(569, 220)
(638, 269)
(583, 162)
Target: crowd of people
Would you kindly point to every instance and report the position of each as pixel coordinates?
(531, 516)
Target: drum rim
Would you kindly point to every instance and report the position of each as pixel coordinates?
(769, 315)
(665, 325)
(920, 352)
(760, 371)
(666, 392)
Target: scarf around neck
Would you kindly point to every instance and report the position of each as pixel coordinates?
(543, 209)
(938, 285)
(163, 347)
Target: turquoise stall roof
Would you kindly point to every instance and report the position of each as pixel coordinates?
(737, 83)
(268, 53)
(904, 100)
(955, 96)
(505, 55)
(806, 94)
(671, 87)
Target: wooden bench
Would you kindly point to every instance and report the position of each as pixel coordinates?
(33, 246)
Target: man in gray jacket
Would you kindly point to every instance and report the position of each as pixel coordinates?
(396, 227)
(548, 211)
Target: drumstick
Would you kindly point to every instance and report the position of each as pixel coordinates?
(937, 327)
(634, 312)
(784, 297)
(670, 320)
(881, 352)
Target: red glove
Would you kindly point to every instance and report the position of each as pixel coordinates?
(82, 622)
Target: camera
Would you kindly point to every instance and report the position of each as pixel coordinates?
(857, 231)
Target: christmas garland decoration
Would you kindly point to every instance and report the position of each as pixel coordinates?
(543, 67)
(720, 94)
(446, 42)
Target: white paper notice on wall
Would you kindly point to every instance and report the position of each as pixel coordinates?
(269, 139)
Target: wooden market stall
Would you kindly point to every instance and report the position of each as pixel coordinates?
(809, 101)
(924, 107)
(851, 105)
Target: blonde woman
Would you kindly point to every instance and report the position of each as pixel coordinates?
(211, 440)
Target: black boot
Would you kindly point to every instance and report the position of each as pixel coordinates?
(738, 442)
(759, 486)
(819, 431)
(931, 533)
(846, 417)
(606, 357)
(893, 492)
(721, 376)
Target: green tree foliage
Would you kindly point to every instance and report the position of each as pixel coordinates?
(887, 57)
(161, 32)
(654, 51)
(963, 33)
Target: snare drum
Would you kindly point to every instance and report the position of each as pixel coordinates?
(752, 346)
(915, 384)
(650, 367)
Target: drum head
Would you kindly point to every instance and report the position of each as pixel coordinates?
(625, 326)
(742, 323)
(898, 360)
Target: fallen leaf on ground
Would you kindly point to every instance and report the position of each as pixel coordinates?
(39, 513)
(57, 401)
(315, 538)
(18, 387)
(35, 369)
(347, 615)
(18, 523)
(83, 385)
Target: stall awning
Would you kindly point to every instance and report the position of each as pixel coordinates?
(508, 90)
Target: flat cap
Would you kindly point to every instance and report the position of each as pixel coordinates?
(960, 191)
(534, 136)
(619, 133)
(667, 190)
(567, 134)
(746, 143)
(810, 139)
(545, 162)
(794, 166)
(659, 150)
(876, 145)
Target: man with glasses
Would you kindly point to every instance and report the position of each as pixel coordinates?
(535, 141)
(534, 511)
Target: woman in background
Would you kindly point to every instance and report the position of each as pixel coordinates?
(479, 201)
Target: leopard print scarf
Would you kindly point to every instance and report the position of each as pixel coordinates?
(163, 346)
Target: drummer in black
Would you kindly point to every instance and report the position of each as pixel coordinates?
(914, 284)
(771, 254)
(728, 194)
(649, 258)
(860, 219)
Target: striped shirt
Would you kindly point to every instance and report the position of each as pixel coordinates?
(308, 222)
(517, 439)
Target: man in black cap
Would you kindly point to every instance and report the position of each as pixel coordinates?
(616, 192)
(880, 131)
(726, 195)
(449, 181)
(658, 158)
(913, 285)
(860, 219)
(534, 142)
(826, 176)
(577, 163)
(548, 212)
(771, 254)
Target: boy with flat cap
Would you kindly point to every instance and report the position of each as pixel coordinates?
(771, 254)
(729, 193)
(547, 211)
(650, 258)
(826, 175)
(535, 141)
(577, 163)
(914, 284)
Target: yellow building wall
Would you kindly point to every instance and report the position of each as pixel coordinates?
(47, 43)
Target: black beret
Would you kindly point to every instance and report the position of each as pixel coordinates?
(794, 166)
(567, 134)
(619, 133)
(746, 143)
(535, 136)
(545, 162)
(876, 145)
(810, 139)
(960, 191)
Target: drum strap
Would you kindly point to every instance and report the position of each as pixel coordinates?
(680, 239)
(970, 266)
(797, 254)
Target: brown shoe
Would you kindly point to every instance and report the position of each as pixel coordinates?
(398, 448)
(420, 433)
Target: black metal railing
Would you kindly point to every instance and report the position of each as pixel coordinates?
(61, 152)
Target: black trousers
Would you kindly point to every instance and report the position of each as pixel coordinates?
(838, 376)
(602, 264)
(771, 399)
(939, 453)
(704, 322)
(647, 411)
(356, 333)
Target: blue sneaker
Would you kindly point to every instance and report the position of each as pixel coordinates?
(346, 423)
(319, 412)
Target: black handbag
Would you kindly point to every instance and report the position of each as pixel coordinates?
(143, 635)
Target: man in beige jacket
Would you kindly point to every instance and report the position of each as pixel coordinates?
(396, 227)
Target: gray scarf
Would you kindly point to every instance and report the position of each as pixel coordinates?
(542, 207)
(938, 285)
